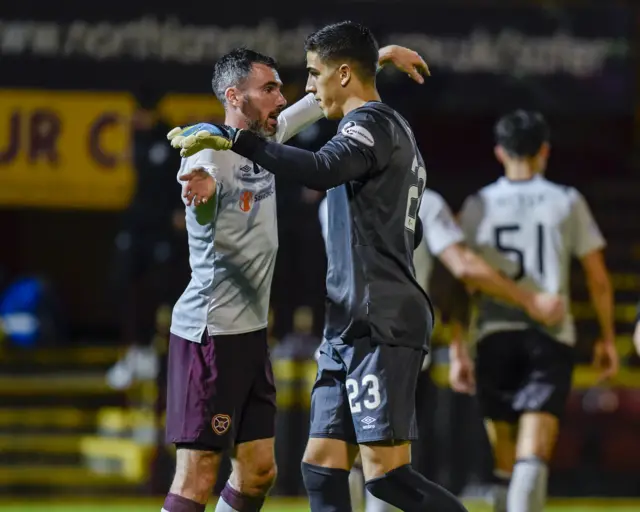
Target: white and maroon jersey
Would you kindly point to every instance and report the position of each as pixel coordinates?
(232, 253)
(529, 230)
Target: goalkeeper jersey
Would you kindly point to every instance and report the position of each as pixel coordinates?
(232, 254)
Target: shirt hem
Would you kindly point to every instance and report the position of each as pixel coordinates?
(217, 332)
(483, 333)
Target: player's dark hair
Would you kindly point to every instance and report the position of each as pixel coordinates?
(346, 41)
(234, 67)
(522, 133)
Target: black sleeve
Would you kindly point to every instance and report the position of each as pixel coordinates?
(638, 313)
(353, 153)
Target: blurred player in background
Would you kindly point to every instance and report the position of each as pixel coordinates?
(150, 258)
(443, 238)
(221, 393)
(529, 228)
(378, 318)
(636, 332)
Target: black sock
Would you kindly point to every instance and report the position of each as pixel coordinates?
(327, 488)
(409, 491)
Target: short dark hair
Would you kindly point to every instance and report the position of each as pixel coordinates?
(234, 67)
(522, 133)
(346, 41)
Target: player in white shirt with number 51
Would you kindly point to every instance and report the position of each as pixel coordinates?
(529, 228)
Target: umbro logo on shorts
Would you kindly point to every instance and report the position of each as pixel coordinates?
(368, 422)
(221, 423)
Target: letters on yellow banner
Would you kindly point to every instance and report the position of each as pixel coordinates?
(64, 149)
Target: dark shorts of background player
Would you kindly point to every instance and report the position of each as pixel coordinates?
(522, 371)
(365, 392)
(220, 392)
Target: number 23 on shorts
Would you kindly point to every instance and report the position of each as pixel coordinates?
(370, 387)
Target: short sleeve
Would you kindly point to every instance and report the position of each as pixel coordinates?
(440, 228)
(215, 163)
(585, 233)
(470, 216)
(297, 117)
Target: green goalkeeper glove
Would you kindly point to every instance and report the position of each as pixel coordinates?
(193, 139)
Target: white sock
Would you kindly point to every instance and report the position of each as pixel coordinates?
(360, 496)
(356, 488)
(528, 488)
(377, 505)
(223, 506)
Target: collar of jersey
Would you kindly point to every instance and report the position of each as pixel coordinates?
(534, 178)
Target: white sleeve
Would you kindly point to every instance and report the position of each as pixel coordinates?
(297, 117)
(439, 227)
(470, 218)
(585, 233)
(323, 216)
(213, 162)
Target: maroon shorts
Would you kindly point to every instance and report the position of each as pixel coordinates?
(221, 391)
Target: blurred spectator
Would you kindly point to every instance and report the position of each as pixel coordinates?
(301, 343)
(150, 263)
(29, 313)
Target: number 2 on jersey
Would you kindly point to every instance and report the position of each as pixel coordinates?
(372, 385)
(518, 253)
(415, 192)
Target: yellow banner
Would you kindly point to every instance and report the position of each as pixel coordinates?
(63, 149)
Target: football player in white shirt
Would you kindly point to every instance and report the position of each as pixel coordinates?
(529, 228)
(443, 239)
(221, 392)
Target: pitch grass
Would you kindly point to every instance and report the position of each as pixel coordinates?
(294, 505)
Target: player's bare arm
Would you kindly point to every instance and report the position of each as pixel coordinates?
(461, 365)
(405, 60)
(470, 268)
(461, 369)
(601, 292)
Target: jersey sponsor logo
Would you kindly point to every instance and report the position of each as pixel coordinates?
(221, 423)
(262, 176)
(249, 173)
(359, 133)
(264, 194)
(246, 200)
